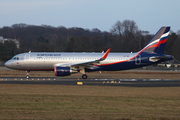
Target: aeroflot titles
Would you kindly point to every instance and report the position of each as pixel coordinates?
(48, 54)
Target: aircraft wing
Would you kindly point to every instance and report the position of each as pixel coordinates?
(91, 63)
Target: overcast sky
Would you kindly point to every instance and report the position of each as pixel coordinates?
(149, 15)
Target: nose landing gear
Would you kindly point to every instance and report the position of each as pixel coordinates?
(27, 75)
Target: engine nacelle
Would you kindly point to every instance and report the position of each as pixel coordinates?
(63, 71)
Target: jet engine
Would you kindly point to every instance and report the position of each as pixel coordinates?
(64, 71)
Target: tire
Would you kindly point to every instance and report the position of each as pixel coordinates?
(84, 76)
(27, 77)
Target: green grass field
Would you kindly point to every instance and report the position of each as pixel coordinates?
(88, 102)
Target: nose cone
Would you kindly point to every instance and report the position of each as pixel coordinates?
(8, 64)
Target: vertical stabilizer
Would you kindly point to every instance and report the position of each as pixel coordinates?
(158, 42)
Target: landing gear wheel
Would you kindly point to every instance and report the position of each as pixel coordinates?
(84, 76)
(27, 77)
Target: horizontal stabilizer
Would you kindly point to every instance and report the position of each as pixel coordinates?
(155, 59)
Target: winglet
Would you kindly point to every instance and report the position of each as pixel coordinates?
(106, 54)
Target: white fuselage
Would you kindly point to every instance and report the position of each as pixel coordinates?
(47, 61)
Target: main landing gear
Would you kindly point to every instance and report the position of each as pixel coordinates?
(27, 75)
(84, 76)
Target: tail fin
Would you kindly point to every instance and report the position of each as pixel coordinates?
(158, 42)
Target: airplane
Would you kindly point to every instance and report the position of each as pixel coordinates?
(67, 63)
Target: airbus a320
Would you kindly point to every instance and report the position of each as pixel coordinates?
(66, 63)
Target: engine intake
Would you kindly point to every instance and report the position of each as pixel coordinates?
(63, 71)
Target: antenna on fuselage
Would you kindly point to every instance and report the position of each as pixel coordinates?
(30, 51)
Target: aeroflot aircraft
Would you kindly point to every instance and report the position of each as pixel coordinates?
(64, 64)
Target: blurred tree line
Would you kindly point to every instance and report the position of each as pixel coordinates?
(124, 36)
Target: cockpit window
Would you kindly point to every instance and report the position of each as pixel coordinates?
(15, 58)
